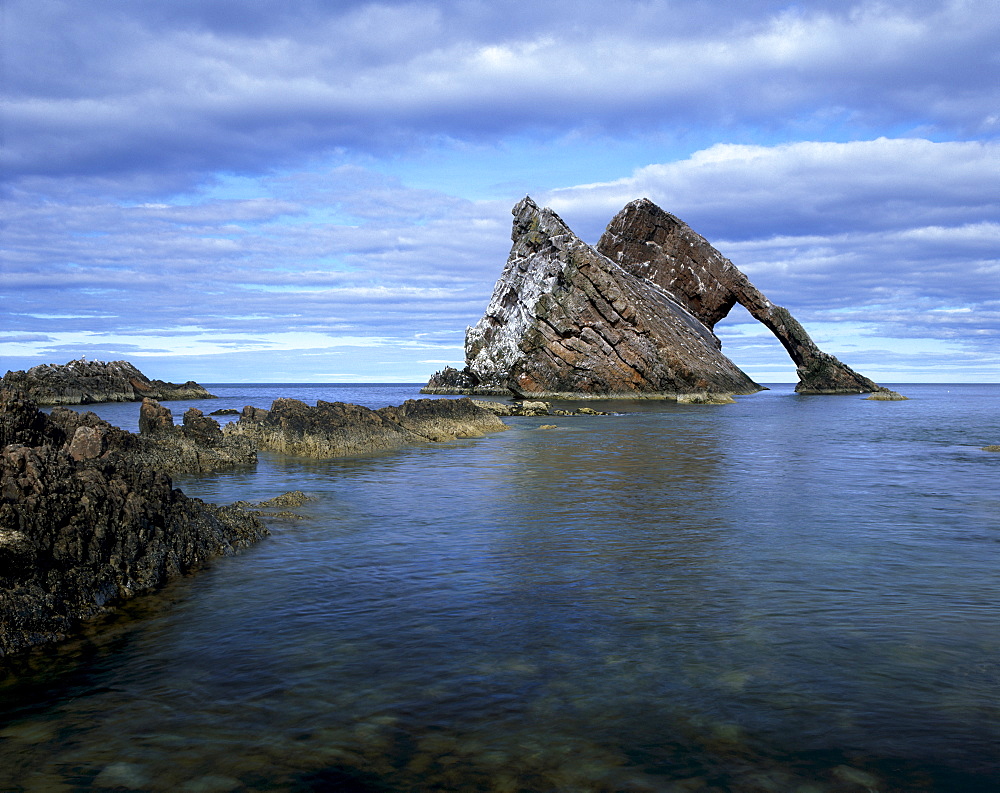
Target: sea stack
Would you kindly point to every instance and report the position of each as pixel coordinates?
(659, 247)
(566, 321)
(632, 317)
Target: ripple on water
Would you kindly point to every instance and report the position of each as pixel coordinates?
(783, 594)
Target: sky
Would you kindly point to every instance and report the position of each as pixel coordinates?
(313, 191)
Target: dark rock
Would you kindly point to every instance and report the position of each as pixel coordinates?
(20, 420)
(85, 524)
(566, 321)
(155, 419)
(452, 381)
(200, 427)
(443, 419)
(631, 318)
(252, 414)
(657, 246)
(225, 412)
(86, 382)
(198, 446)
(337, 429)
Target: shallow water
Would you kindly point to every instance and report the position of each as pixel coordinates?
(789, 594)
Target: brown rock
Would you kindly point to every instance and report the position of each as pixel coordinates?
(660, 248)
(631, 318)
(87, 443)
(198, 446)
(565, 321)
(338, 429)
(154, 418)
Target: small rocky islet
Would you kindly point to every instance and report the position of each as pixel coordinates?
(83, 382)
(88, 514)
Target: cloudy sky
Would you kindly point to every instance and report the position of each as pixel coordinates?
(320, 191)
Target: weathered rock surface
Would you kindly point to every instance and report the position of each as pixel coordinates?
(196, 446)
(338, 429)
(631, 318)
(87, 382)
(657, 246)
(566, 321)
(83, 524)
(521, 408)
(886, 395)
(279, 507)
(533, 408)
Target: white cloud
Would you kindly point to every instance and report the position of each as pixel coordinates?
(144, 90)
(183, 172)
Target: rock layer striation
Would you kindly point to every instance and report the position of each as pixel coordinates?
(657, 246)
(566, 321)
(83, 382)
(633, 317)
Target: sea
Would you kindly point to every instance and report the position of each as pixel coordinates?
(789, 593)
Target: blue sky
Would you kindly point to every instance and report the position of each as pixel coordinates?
(313, 191)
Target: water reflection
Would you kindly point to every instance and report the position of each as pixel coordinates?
(761, 596)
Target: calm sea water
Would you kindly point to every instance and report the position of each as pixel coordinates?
(785, 594)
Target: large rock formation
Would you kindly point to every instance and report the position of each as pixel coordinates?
(566, 321)
(83, 524)
(657, 246)
(83, 382)
(338, 429)
(632, 318)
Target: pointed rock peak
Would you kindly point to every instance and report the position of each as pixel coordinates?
(633, 316)
(525, 206)
(534, 225)
(640, 222)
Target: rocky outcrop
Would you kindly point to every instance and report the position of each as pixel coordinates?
(198, 445)
(533, 408)
(886, 395)
(655, 245)
(83, 382)
(632, 318)
(338, 429)
(84, 524)
(566, 321)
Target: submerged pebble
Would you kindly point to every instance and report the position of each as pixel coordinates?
(130, 776)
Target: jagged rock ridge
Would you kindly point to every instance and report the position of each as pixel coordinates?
(631, 318)
(567, 321)
(83, 382)
(338, 429)
(84, 524)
